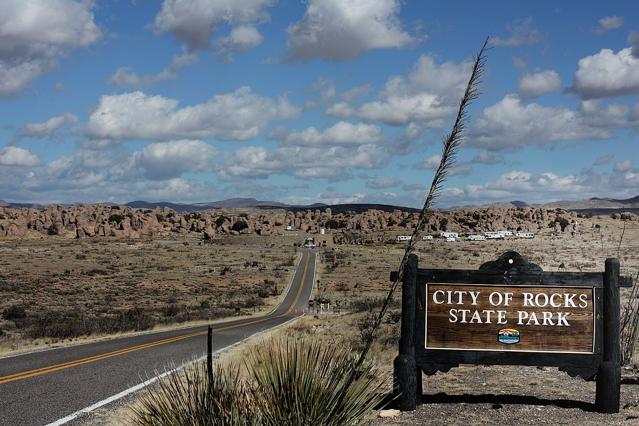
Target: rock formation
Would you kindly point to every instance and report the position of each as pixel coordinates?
(90, 221)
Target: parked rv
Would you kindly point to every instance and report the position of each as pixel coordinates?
(526, 235)
(449, 235)
(404, 238)
(451, 239)
(476, 238)
(427, 238)
(493, 235)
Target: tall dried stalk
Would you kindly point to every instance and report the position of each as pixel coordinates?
(621, 239)
(630, 324)
(450, 145)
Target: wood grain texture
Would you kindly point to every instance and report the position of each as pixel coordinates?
(460, 329)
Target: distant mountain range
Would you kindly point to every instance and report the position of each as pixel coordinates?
(231, 203)
(593, 205)
(243, 203)
(590, 203)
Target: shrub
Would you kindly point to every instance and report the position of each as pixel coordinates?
(185, 398)
(117, 218)
(239, 225)
(294, 382)
(368, 304)
(171, 310)
(563, 223)
(69, 324)
(14, 312)
(335, 224)
(301, 382)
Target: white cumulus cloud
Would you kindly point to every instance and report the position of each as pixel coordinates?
(242, 37)
(538, 84)
(165, 160)
(607, 74)
(344, 29)
(427, 94)
(19, 157)
(341, 133)
(239, 115)
(301, 161)
(194, 22)
(36, 34)
(511, 124)
(47, 128)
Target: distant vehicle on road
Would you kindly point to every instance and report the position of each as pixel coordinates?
(309, 242)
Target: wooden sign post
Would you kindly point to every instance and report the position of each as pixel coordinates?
(510, 312)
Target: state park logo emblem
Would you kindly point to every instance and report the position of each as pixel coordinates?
(508, 336)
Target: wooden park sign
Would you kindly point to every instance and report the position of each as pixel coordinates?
(510, 312)
(497, 318)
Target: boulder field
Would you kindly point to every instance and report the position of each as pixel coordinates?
(91, 221)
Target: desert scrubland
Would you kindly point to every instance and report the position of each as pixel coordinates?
(186, 272)
(54, 290)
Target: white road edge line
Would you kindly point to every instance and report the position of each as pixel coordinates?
(288, 287)
(312, 295)
(152, 380)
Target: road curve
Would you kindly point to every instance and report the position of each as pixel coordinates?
(44, 387)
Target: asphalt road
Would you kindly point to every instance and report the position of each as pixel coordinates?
(48, 386)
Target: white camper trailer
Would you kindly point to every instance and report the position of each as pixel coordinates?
(526, 235)
(450, 235)
(493, 235)
(404, 238)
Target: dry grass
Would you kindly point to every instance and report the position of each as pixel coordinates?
(70, 289)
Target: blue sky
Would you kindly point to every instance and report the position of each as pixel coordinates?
(314, 101)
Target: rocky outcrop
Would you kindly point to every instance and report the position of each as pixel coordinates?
(90, 221)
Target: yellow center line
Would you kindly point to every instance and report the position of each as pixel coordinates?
(123, 351)
(301, 286)
(94, 358)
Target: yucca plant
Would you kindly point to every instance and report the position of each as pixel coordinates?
(301, 382)
(185, 398)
